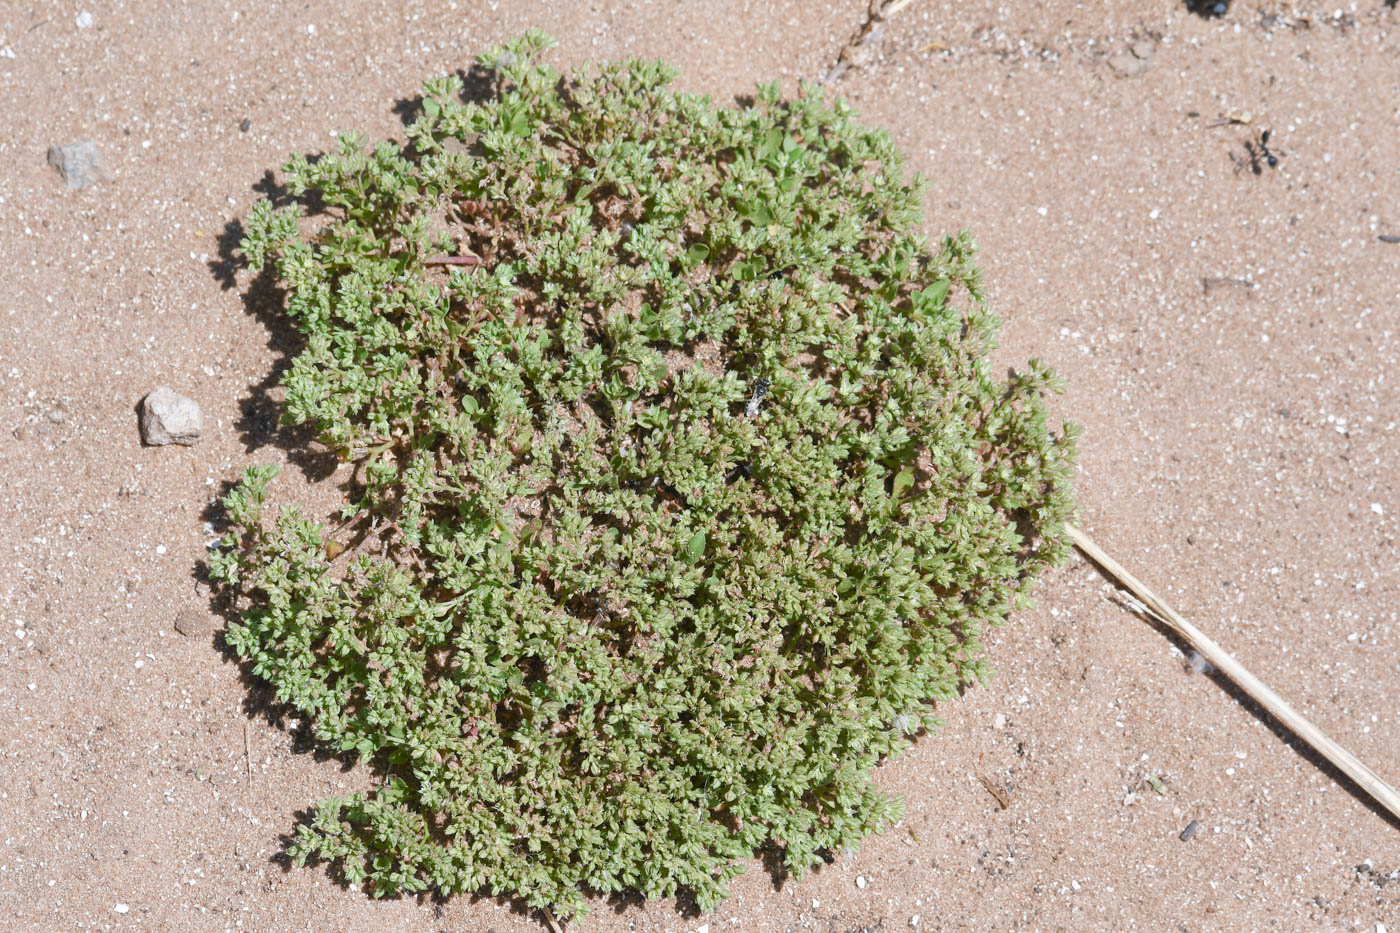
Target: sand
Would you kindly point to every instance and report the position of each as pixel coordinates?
(1240, 451)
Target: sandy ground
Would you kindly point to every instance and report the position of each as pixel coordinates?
(1240, 450)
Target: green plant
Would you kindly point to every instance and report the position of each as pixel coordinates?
(684, 489)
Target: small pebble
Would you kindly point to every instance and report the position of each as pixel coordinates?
(83, 20)
(121, 908)
(1127, 65)
(860, 882)
(193, 624)
(168, 417)
(1189, 832)
(245, 125)
(80, 164)
(999, 721)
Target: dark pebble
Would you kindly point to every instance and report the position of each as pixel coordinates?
(1189, 832)
(245, 125)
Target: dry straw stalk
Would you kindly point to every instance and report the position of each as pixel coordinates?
(1379, 789)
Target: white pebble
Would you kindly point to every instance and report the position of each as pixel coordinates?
(1376, 507)
(168, 417)
(1042, 211)
(121, 908)
(860, 882)
(160, 549)
(83, 21)
(999, 721)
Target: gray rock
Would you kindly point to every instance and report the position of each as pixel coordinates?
(80, 164)
(167, 417)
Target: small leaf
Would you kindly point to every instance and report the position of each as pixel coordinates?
(934, 295)
(696, 255)
(431, 108)
(696, 548)
(902, 481)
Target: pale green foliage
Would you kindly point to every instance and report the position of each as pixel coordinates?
(679, 511)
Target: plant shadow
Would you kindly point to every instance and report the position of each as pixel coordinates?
(479, 86)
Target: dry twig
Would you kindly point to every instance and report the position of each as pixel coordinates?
(860, 51)
(1372, 783)
(247, 751)
(1209, 285)
(992, 787)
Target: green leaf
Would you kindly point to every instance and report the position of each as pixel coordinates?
(696, 255)
(934, 296)
(903, 480)
(695, 548)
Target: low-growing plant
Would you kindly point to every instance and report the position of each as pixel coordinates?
(683, 488)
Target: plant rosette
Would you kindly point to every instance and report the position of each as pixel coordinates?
(683, 489)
